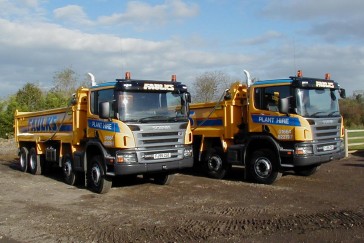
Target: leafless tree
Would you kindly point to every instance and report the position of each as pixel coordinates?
(209, 86)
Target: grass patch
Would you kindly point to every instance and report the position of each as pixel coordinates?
(358, 140)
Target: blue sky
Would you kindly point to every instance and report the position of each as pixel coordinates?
(155, 39)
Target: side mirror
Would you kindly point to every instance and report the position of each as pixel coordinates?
(188, 97)
(186, 100)
(284, 105)
(104, 110)
(342, 93)
(227, 95)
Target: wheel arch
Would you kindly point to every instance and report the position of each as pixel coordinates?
(261, 142)
(92, 149)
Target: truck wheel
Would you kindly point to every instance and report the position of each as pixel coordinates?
(34, 162)
(306, 170)
(163, 179)
(263, 167)
(68, 173)
(98, 181)
(23, 159)
(215, 163)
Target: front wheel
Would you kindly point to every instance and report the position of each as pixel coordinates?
(306, 170)
(215, 163)
(97, 179)
(263, 167)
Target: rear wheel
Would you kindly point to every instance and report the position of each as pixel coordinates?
(163, 178)
(306, 170)
(215, 163)
(23, 159)
(34, 162)
(97, 179)
(69, 174)
(263, 167)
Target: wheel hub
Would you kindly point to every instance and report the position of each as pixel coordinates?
(214, 163)
(263, 167)
(95, 174)
(67, 168)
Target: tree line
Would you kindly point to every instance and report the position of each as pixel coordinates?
(31, 97)
(207, 87)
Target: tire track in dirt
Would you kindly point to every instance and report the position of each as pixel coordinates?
(211, 228)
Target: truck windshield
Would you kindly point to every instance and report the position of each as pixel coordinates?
(317, 102)
(150, 107)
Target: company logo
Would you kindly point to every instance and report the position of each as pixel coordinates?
(276, 120)
(323, 84)
(101, 125)
(151, 86)
(161, 127)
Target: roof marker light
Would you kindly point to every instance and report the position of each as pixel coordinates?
(127, 75)
(299, 74)
(327, 76)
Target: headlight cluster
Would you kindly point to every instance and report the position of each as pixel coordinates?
(126, 158)
(304, 150)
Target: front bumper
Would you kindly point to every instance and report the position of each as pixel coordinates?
(144, 168)
(312, 159)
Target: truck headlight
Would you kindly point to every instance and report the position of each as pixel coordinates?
(187, 152)
(126, 158)
(304, 150)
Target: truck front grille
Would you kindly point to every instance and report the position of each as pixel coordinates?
(160, 142)
(325, 128)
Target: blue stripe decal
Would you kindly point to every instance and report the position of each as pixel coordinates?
(43, 128)
(277, 120)
(107, 126)
(210, 122)
(48, 123)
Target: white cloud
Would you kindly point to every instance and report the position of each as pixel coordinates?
(145, 13)
(73, 14)
(23, 9)
(262, 39)
(332, 20)
(33, 52)
(30, 3)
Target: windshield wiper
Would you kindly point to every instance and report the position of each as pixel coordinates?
(161, 118)
(316, 113)
(332, 113)
(154, 118)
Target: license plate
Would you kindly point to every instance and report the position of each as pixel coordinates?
(328, 147)
(162, 156)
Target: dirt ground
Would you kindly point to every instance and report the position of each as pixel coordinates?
(326, 207)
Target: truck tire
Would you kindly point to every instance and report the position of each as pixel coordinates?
(97, 179)
(69, 174)
(23, 159)
(306, 170)
(35, 167)
(263, 167)
(215, 163)
(163, 178)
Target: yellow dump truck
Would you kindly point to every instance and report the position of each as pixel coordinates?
(124, 127)
(270, 127)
